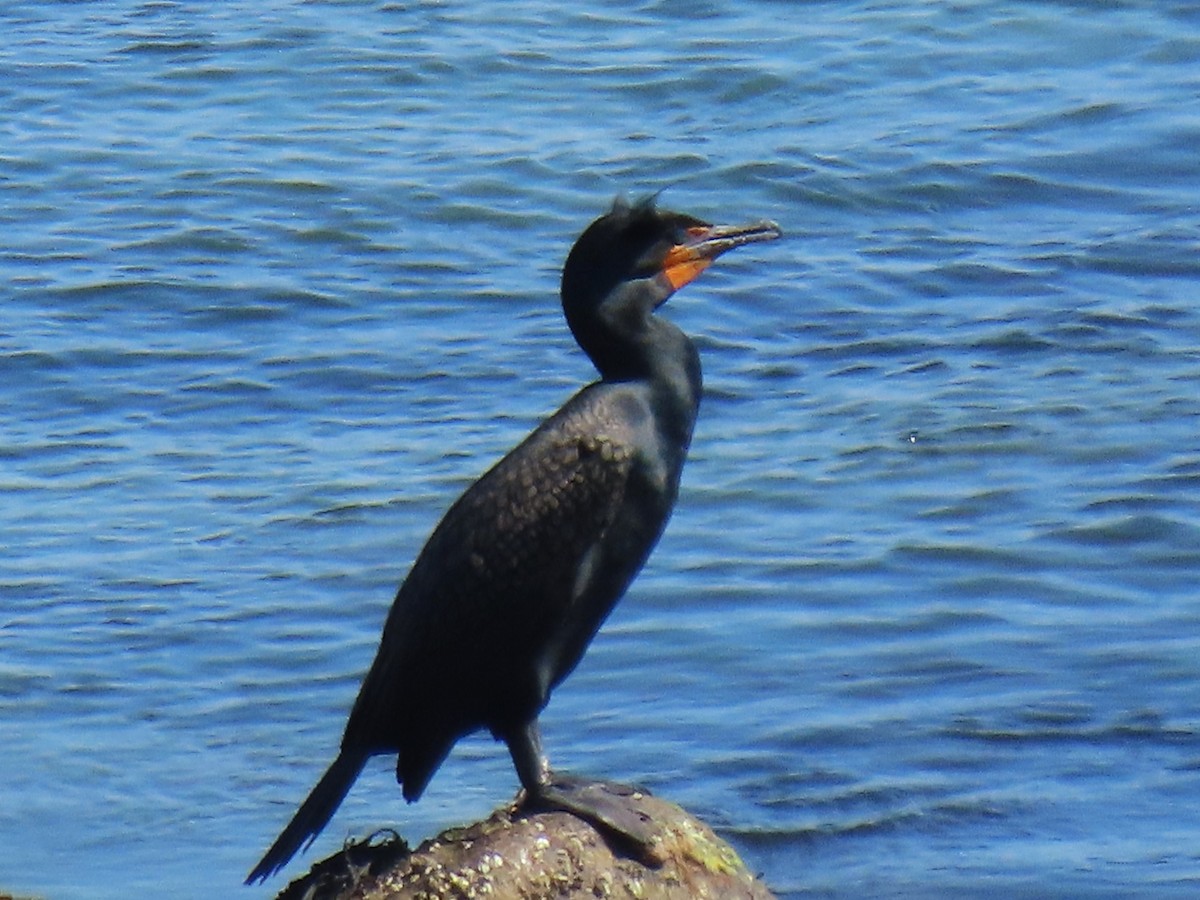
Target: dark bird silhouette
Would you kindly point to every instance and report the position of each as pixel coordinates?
(520, 573)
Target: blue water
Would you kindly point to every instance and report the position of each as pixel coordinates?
(280, 279)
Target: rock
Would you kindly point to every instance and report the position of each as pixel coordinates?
(515, 855)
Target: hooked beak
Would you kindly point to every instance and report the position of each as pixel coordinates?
(705, 243)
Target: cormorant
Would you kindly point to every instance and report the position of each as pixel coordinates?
(522, 570)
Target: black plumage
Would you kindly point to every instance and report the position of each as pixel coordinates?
(523, 569)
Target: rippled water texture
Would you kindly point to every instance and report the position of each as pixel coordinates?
(280, 279)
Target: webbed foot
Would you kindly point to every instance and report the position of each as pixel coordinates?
(611, 808)
(608, 806)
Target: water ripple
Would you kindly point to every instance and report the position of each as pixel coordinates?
(283, 280)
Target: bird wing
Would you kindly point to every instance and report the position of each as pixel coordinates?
(499, 580)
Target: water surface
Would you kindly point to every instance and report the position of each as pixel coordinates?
(280, 280)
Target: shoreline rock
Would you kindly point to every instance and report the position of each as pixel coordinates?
(520, 856)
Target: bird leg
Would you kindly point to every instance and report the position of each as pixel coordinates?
(603, 804)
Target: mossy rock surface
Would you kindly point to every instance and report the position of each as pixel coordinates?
(519, 856)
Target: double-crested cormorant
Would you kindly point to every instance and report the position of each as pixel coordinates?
(520, 573)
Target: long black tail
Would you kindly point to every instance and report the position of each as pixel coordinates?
(312, 816)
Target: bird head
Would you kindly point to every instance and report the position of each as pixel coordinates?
(641, 243)
(625, 265)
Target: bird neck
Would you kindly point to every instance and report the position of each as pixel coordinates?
(660, 356)
(675, 381)
(627, 342)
